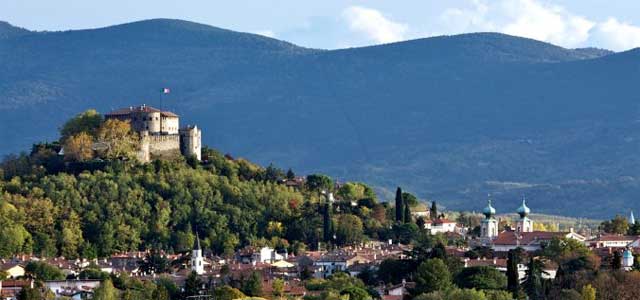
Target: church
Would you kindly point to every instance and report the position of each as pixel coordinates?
(521, 235)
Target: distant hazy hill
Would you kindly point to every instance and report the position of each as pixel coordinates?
(9, 31)
(449, 118)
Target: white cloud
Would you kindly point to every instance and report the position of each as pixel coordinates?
(266, 32)
(541, 21)
(375, 26)
(526, 18)
(616, 35)
(462, 20)
(550, 23)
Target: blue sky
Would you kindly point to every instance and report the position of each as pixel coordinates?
(337, 24)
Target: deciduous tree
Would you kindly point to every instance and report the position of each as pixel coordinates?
(106, 291)
(87, 122)
(252, 286)
(116, 140)
(588, 292)
(349, 230)
(617, 225)
(482, 278)
(78, 147)
(432, 275)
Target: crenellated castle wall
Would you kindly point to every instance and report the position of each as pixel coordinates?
(158, 146)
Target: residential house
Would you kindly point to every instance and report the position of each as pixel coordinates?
(74, 289)
(529, 241)
(250, 255)
(440, 226)
(615, 241)
(331, 263)
(13, 269)
(500, 264)
(9, 289)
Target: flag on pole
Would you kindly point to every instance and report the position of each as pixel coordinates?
(166, 91)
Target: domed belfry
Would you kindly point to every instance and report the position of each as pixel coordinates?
(524, 224)
(489, 226)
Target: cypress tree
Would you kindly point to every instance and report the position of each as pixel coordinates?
(534, 283)
(290, 174)
(407, 213)
(326, 225)
(399, 202)
(616, 262)
(433, 212)
(513, 278)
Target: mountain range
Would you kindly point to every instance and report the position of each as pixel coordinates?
(449, 118)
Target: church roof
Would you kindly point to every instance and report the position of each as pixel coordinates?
(196, 244)
(526, 238)
(523, 210)
(489, 210)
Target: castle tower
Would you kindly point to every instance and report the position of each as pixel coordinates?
(197, 262)
(190, 141)
(489, 226)
(524, 224)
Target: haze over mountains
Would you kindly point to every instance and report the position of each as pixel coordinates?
(448, 118)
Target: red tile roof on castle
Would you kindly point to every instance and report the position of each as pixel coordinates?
(143, 108)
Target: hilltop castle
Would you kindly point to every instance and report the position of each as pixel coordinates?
(160, 132)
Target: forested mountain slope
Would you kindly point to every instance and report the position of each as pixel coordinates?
(451, 118)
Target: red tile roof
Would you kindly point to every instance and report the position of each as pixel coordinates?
(442, 221)
(525, 238)
(144, 108)
(615, 237)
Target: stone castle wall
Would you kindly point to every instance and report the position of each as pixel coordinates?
(158, 146)
(164, 145)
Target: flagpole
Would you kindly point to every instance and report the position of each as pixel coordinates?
(161, 94)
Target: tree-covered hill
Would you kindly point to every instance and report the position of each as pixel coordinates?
(452, 118)
(50, 206)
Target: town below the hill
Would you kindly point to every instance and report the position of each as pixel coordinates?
(129, 205)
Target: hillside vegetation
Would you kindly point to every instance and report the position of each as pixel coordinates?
(450, 118)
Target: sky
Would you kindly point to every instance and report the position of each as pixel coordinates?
(331, 24)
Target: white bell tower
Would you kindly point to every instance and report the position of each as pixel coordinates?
(524, 224)
(489, 226)
(197, 262)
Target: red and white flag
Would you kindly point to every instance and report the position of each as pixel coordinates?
(166, 91)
